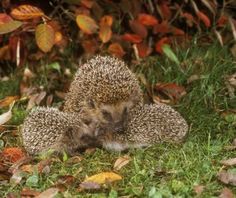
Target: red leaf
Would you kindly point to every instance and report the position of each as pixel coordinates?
(116, 50)
(133, 38)
(138, 28)
(222, 21)
(204, 18)
(190, 19)
(4, 18)
(171, 90)
(162, 27)
(13, 154)
(147, 19)
(160, 43)
(177, 31)
(166, 13)
(143, 50)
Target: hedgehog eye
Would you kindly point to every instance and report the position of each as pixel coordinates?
(91, 103)
(107, 116)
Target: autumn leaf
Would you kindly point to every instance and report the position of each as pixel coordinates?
(45, 37)
(5, 53)
(198, 189)
(8, 100)
(177, 31)
(121, 162)
(86, 24)
(49, 193)
(106, 20)
(133, 38)
(116, 50)
(227, 177)
(138, 28)
(226, 193)
(25, 12)
(162, 27)
(229, 162)
(189, 19)
(165, 10)
(160, 43)
(105, 33)
(104, 177)
(4, 18)
(9, 26)
(143, 50)
(12, 154)
(204, 18)
(171, 90)
(222, 21)
(147, 19)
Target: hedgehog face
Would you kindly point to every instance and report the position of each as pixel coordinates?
(111, 117)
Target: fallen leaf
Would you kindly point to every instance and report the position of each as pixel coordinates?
(106, 20)
(165, 10)
(104, 177)
(147, 19)
(5, 117)
(204, 18)
(133, 38)
(138, 28)
(4, 18)
(86, 24)
(12, 154)
(45, 37)
(171, 90)
(25, 12)
(159, 44)
(229, 162)
(105, 33)
(10, 26)
(227, 177)
(8, 100)
(189, 19)
(27, 192)
(198, 189)
(143, 50)
(221, 22)
(121, 162)
(226, 193)
(66, 179)
(116, 50)
(17, 177)
(49, 193)
(89, 185)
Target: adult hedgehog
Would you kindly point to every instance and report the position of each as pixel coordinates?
(105, 88)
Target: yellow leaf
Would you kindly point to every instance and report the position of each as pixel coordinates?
(45, 37)
(105, 33)
(106, 20)
(104, 177)
(25, 12)
(8, 100)
(86, 24)
(9, 27)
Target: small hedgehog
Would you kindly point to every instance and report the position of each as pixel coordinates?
(147, 125)
(107, 89)
(49, 128)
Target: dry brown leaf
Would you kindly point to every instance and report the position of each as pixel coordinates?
(49, 193)
(227, 177)
(89, 185)
(104, 177)
(121, 162)
(229, 162)
(5, 117)
(8, 100)
(198, 189)
(26, 192)
(226, 193)
(116, 50)
(25, 12)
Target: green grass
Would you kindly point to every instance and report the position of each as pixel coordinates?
(164, 170)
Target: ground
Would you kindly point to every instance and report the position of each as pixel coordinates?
(161, 170)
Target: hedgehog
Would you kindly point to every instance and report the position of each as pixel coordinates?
(147, 125)
(106, 88)
(48, 128)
